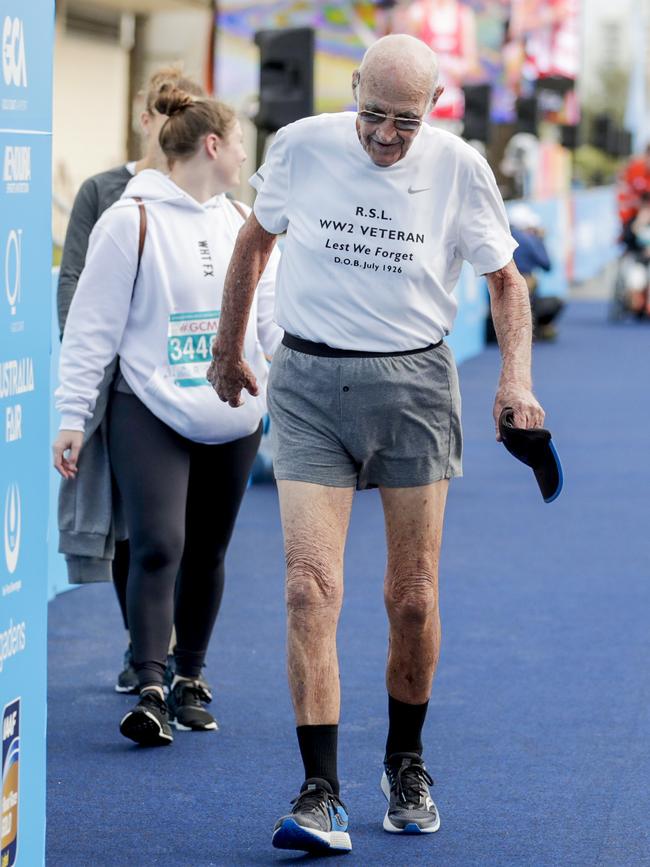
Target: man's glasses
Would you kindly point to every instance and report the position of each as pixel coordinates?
(406, 124)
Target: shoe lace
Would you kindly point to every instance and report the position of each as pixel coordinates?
(195, 693)
(316, 800)
(410, 780)
(152, 698)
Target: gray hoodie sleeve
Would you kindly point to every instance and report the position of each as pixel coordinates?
(85, 213)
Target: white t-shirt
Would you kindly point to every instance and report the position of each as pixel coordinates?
(372, 254)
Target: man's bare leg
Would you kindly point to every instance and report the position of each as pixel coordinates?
(414, 520)
(314, 522)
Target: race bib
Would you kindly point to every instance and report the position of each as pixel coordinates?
(189, 346)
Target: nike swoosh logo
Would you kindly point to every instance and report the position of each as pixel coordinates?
(421, 190)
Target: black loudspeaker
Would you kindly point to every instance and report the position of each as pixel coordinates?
(527, 114)
(286, 76)
(622, 144)
(477, 112)
(569, 136)
(603, 132)
(555, 83)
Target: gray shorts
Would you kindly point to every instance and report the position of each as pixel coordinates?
(390, 421)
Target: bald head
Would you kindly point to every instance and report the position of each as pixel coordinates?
(399, 61)
(395, 87)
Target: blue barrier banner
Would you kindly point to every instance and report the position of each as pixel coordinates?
(468, 334)
(582, 236)
(25, 252)
(596, 231)
(556, 218)
(26, 30)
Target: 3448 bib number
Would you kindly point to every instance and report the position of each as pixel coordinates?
(189, 349)
(189, 346)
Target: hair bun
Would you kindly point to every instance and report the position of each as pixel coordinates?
(172, 101)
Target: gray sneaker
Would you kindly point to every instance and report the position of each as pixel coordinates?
(318, 822)
(405, 784)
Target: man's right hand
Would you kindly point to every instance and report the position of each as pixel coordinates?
(229, 376)
(69, 441)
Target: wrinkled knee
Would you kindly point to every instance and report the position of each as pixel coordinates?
(313, 587)
(412, 598)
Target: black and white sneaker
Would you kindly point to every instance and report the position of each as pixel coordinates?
(186, 709)
(405, 784)
(318, 822)
(170, 672)
(127, 679)
(148, 722)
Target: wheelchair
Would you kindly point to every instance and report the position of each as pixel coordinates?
(630, 295)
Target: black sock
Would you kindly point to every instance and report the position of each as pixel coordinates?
(318, 748)
(405, 723)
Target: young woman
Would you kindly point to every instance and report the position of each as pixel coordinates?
(84, 513)
(172, 444)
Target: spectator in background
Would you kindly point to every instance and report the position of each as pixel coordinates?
(90, 526)
(633, 184)
(530, 256)
(636, 237)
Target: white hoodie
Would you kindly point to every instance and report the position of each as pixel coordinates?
(162, 328)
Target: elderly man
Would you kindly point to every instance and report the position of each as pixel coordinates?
(380, 211)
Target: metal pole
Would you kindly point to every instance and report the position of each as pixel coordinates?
(136, 79)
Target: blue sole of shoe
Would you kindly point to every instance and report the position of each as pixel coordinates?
(412, 829)
(291, 835)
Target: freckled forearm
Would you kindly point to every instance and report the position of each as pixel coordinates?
(239, 288)
(248, 261)
(512, 323)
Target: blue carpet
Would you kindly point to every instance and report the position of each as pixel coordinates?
(539, 724)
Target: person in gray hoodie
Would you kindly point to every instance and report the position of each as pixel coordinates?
(170, 443)
(91, 527)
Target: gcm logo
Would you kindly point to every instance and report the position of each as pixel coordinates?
(13, 267)
(14, 67)
(12, 526)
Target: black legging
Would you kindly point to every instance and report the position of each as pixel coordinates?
(181, 499)
(120, 576)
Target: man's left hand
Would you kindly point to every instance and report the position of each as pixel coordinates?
(527, 411)
(229, 376)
